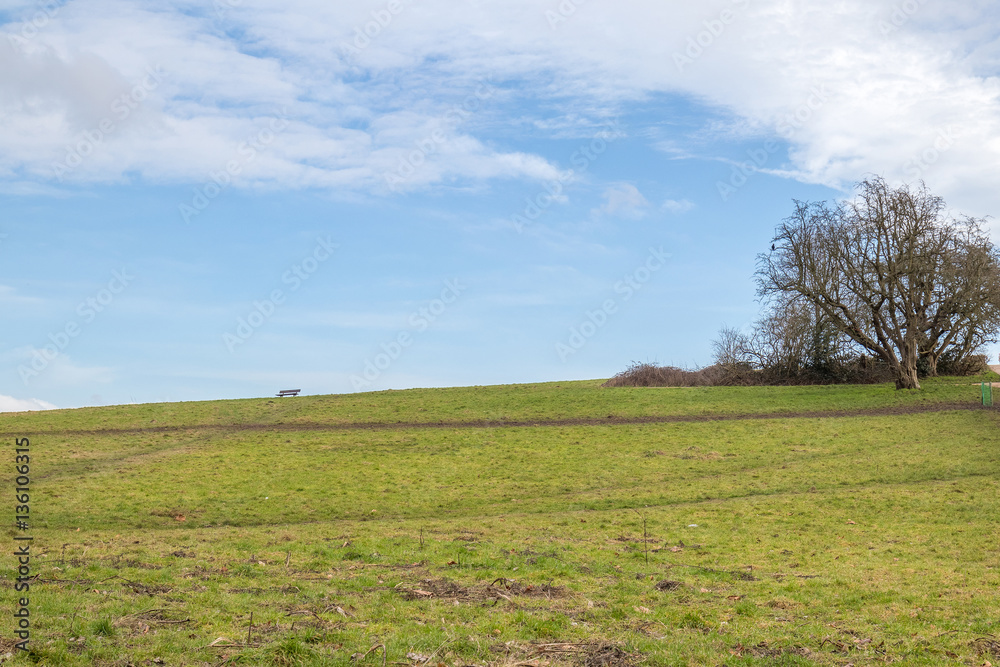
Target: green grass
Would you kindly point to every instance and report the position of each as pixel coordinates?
(792, 541)
(496, 404)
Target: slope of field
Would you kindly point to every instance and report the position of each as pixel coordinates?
(495, 405)
(534, 524)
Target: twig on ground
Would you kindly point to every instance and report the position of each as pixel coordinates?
(374, 648)
(436, 651)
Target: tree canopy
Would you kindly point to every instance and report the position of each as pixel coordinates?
(891, 271)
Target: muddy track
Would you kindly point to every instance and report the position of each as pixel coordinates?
(610, 420)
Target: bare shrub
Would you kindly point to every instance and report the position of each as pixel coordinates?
(861, 370)
(974, 364)
(651, 375)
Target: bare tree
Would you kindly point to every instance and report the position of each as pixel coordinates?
(890, 270)
(963, 312)
(787, 339)
(791, 342)
(730, 348)
(732, 354)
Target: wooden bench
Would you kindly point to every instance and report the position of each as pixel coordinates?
(288, 392)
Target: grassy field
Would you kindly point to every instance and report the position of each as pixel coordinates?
(517, 525)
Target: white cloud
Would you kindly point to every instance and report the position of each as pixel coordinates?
(210, 99)
(10, 295)
(624, 200)
(11, 404)
(677, 207)
(862, 86)
(38, 368)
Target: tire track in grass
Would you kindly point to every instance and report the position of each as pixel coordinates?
(610, 420)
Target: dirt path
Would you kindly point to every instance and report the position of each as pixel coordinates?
(610, 420)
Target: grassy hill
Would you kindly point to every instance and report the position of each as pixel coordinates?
(558, 522)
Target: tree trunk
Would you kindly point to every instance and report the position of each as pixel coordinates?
(906, 372)
(932, 361)
(908, 380)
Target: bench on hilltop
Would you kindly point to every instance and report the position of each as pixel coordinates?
(288, 392)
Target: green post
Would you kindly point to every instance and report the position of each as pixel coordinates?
(986, 392)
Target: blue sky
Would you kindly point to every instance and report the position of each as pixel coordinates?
(223, 200)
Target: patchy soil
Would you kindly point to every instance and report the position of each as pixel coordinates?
(446, 589)
(762, 650)
(985, 646)
(600, 654)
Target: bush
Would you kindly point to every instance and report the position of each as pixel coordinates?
(974, 364)
(651, 375)
(859, 371)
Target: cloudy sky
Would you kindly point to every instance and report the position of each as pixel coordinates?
(223, 200)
